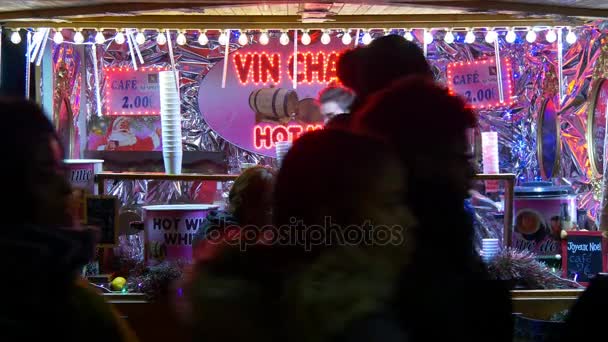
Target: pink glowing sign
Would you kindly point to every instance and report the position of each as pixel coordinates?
(477, 82)
(132, 92)
(266, 136)
(259, 105)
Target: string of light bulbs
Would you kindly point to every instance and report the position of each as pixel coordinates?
(427, 36)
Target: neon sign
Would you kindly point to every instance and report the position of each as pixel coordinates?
(266, 136)
(132, 92)
(262, 68)
(477, 82)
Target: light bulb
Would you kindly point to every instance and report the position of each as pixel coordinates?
(531, 36)
(223, 39)
(15, 37)
(409, 36)
(469, 38)
(570, 37)
(491, 36)
(449, 37)
(202, 38)
(428, 37)
(346, 38)
(284, 40)
(78, 37)
(161, 39)
(551, 36)
(140, 38)
(367, 38)
(99, 38)
(181, 39)
(119, 38)
(57, 37)
(264, 38)
(305, 38)
(243, 40)
(325, 39)
(511, 36)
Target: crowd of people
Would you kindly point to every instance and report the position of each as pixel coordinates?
(361, 235)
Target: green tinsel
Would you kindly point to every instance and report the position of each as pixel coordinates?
(522, 268)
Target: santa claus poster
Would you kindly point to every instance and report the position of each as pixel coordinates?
(125, 133)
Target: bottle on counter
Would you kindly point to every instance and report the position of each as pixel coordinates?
(565, 217)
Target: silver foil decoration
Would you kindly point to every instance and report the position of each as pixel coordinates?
(535, 78)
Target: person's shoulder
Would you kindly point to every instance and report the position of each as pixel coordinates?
(96, 316)
(375, 327)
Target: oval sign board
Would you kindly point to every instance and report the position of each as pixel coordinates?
(257, 107)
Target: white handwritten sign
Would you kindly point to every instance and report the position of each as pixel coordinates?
(132, 92)
(477, 82)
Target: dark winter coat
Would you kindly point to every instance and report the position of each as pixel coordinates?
(43, 296)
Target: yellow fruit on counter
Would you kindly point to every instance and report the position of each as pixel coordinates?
(118, 283)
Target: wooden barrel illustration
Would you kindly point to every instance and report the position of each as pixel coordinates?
(277, 103)
(309, 111)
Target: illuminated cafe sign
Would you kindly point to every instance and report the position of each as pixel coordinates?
(256, 108)
(132, 92)
(478, 82)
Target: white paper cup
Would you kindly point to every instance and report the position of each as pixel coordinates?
(172, 130)
(172, 146)
(490, 243)
(172, 138)
(173, 162)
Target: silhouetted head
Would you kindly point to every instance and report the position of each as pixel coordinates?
(250, 198)
(428, 127)
(368, 69)
(35, 177)
(349, 68)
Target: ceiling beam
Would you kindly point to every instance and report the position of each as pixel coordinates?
(117, 8)
(510, 6)
(124, 8)
(291, 22)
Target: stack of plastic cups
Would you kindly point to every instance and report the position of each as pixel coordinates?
(171, 122)
(490, 249)
(489, 153)
(281, 148)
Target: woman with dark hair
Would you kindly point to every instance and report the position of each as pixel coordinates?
(328, 267)
(368, 69)
(446, 286)
(42, 249)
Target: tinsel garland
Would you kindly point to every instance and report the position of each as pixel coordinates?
(522, 268)
(155, 281)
